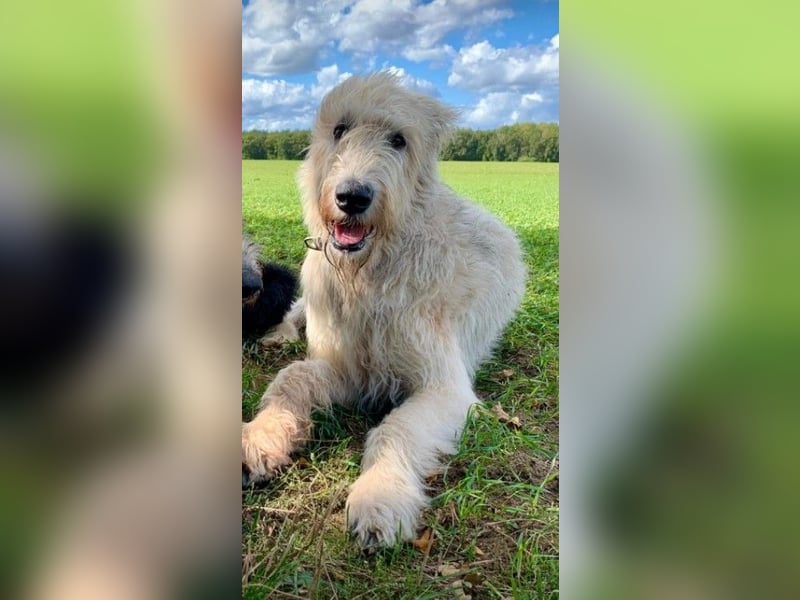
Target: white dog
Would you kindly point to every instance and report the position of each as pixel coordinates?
(406, 289)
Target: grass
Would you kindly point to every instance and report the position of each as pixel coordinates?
(494, 515)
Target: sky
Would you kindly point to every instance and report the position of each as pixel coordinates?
(495, 61)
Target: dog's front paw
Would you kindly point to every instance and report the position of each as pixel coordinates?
(283, 333)
(383, 508)
(266, 444)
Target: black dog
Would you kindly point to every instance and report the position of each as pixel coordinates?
(267, 292)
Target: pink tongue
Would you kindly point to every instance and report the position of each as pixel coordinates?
(349, 235)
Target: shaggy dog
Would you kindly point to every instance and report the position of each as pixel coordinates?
(267, 293)
(406, 289)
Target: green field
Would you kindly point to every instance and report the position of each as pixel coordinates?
(494, 516)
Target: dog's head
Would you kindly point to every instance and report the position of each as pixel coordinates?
(373, 152)
(252, 283)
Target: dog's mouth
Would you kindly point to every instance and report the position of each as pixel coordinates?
(349, 236)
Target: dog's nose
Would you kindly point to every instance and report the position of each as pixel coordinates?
(353, 197)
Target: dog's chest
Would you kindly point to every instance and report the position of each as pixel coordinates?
(367, 336)
(372, 333)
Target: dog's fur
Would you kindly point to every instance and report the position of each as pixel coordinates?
(267, 292)
(403, 301)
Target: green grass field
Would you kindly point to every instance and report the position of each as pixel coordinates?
(494, 517)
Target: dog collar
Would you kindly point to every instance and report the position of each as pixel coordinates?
(313, 243)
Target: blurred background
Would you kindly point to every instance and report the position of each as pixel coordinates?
(680, 330)
(120, 218)
(120, 188)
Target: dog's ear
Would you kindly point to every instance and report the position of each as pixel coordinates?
(441, 119)
(449, 118)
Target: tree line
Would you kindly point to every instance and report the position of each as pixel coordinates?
(520, 142)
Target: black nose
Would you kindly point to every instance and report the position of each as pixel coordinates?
(353, 197)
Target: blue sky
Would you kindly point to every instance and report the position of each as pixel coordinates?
(494, 60)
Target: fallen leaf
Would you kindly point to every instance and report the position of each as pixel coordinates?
(505, 418)
(458, 590)
(500, 413)
(478, 551)
(448, 570)
(473, 579)
(508, 373)
(424, 542)
(515, 423)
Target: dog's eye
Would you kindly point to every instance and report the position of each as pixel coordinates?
(397, 141)
(339, 130)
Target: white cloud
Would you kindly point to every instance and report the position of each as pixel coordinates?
(505, 108)
(422, 86)
(259, 96)
(484, 68)
(284, 37)
(515, 84)
(275, 104)
(327, 79)
(436, 54)
(374, 23)
(529, 100)
(440, 17)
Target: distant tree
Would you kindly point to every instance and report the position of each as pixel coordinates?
(508, 143)
(465, 144)
(300, 141)
(253, 146)
(497, 148)
(530, 134)
(289, 145)
(521, 141)
(549, 142)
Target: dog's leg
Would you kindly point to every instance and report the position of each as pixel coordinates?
(284, 419)
(385, 502)
(287, 330)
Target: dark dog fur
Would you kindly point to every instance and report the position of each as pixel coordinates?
(267, 292)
